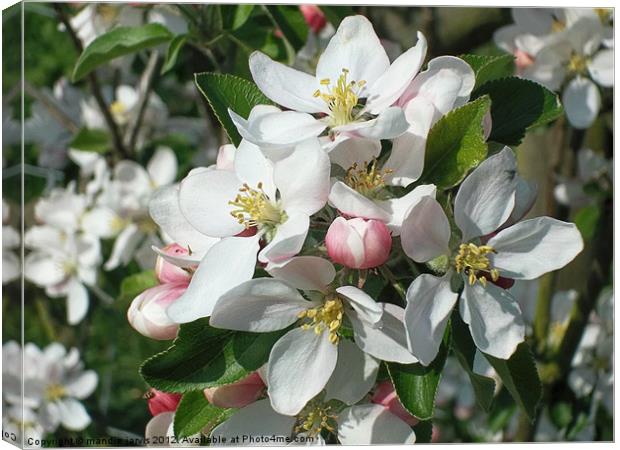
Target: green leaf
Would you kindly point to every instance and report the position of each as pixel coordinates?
(97, 141)
(235, 16)
(520, 377)
(416, 385)
(489, 68)
(465, 351)
(518, 105)
(195, 413)
(118, 42)
(172, 54)
(586, 220)
(135, 284)
(202, 357)
(292, 23)
(225, 92)
(455, 145)
(335, 14)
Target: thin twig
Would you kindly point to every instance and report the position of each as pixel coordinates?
(144, 90)
(95, 86)
(57, 113)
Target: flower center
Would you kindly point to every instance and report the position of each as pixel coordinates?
(472, 259)
(341, 98)
(314, 418)
(254, 208)
(577, 64)
(325, 317)
(557, 26)
(604, 14)
(119, 112)
(367, 179)
(54, 392)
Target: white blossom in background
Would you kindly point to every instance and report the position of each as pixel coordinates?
(54, 383)
(568, 50)
(592, 168)
(494, 244)
(11, 263)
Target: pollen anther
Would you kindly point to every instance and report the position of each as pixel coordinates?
(472, 259)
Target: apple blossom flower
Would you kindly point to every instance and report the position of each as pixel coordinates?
(485, 202)
(353, 67)
(237, 394)
(270, 304)
(160, 402)
(357, 243)
(277, 199)
(147, 312)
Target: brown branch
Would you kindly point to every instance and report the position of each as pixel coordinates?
(95, 86)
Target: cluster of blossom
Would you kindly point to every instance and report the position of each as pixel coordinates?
(317, 168)
(64, 247)
(42, 390)
(568, 50)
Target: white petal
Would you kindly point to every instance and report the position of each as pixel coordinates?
(494, 319)
(446, 83)
(303, 178)
(77, 302)
(253, 168)
(389, 86)
(406, 160)
(534, 247)
(601, 68)
(163, 166)
(425, 232)
(258, 306)
(367, 309)
(227, 264)
(83, 385)
(124, 247)
(101, 221)
(308, 273)
(43, 270)
(372, 424)
(388, 341)
(157, 428)
(348, 151)
(277, 129)
(582, 102)
(354, 47)
(354, 375)
(256, 419)
(288, 240)
(203, 200)
(284, 85)
(352, 203)
(399, 207)
(73, 415)
(390, 124)
(429, 304)
(300, 365)
(43, 237)
(487, 196)
(184, 261)
(165, 211)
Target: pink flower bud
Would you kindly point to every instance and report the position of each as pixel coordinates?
(147, 312)
(236, 395)
(314, 17)
(522, 60)
(167, 272)
(385, 395)
(161, 402)
(358, 243)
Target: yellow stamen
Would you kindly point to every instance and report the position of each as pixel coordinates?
(578, 64)
(473, 259)
(557, 26)
(327, 317)
(314, 418)
(342, 99)
(367, 179)
(254, 208)
(54, 392)
(604, 14)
